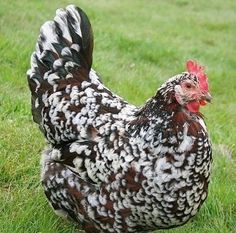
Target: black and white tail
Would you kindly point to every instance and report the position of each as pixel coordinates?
(63, 56)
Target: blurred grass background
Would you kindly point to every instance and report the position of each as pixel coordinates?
(138, 45)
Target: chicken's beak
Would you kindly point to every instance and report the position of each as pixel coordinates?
(206, 97)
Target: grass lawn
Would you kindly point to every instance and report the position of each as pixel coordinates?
(138, 45)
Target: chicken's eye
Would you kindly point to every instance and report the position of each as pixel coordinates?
(188, 85)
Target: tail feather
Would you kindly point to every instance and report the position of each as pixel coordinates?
(63, 54)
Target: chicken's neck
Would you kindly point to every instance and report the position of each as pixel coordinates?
(165, 102)
(161, 103)
(155, 110)
(164, 108)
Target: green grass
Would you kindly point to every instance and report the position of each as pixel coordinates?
(138, 45)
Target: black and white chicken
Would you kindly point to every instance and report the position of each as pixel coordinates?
(112, 166)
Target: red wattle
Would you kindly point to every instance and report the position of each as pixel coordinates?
(193, 106)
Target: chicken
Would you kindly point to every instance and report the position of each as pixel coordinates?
(111, 166)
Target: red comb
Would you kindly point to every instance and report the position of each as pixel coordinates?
(194, 68)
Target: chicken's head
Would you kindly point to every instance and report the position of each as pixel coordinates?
(192, 90)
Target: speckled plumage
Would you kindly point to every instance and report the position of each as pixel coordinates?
(111, 166)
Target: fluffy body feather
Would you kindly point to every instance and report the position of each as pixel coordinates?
(111, 166)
